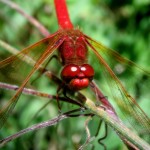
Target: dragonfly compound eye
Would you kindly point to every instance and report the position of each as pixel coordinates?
(70, 71)
(87, 70)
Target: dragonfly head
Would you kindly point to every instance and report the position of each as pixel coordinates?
(77, 77)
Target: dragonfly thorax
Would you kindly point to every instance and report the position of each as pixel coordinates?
(73, 50)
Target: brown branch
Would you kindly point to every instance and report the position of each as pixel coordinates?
(32, 20)
(38, 93)
(39, 126)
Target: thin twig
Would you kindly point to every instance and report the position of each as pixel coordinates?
(38, 126)
(9, 48)
(32, 20)
(38, 93)
(89, 138)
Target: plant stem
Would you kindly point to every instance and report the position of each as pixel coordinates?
(32, 20)
(38, 126)
(37, 93)
(117, 125)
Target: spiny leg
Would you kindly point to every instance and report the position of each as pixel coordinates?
(105, 135)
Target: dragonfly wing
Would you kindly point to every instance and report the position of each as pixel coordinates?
(127, 105)
(112, 53)
(37, 54)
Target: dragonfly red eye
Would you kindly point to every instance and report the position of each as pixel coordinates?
(70, 71)
(87, 70)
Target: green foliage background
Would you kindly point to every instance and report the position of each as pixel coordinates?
(121, 25)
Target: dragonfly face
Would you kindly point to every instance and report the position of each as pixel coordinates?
(77, 77)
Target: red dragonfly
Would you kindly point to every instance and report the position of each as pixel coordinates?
(73, 46)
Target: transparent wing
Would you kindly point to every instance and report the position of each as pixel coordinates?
(26, 63)
(125, 103)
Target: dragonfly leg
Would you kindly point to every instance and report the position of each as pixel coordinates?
(65, 91)
(60, 87)
(106, 130)
(105, 135)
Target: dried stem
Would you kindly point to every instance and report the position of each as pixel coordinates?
(9, 48)
(89, 138)
(37, 93)
(32, 20)
(39, 126)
